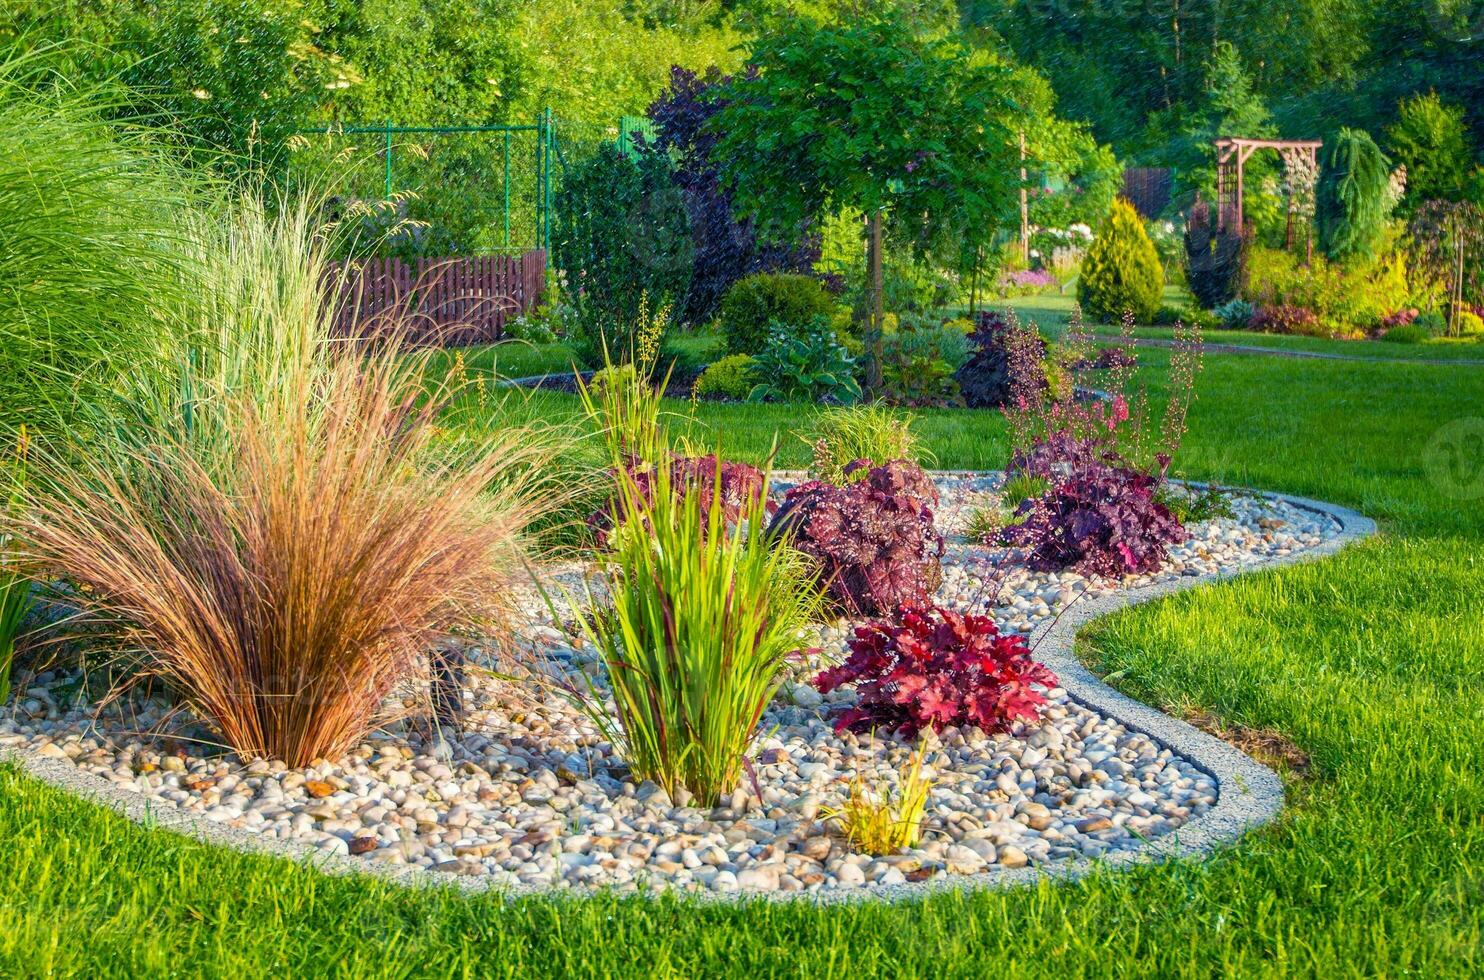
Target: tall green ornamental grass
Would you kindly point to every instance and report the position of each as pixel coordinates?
(16, 587)
(842, 435)
(88, 247)
(698, 622)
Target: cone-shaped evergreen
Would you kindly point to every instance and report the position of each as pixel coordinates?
(1121, 270)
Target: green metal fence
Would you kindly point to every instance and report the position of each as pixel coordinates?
(486, 189)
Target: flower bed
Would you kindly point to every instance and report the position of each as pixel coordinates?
(532, 796)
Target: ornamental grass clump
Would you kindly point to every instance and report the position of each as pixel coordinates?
(696, 621)
(284, 536)
(879, 822)
(843, 434)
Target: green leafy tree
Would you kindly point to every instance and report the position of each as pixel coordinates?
(1121, 272)
(1429, 139)
(1352, 196)
(912, 130)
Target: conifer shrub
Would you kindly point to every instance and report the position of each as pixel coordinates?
(1352, 196)
(1121, 272)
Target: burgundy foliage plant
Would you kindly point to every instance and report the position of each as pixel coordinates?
(987, 378)
(873, 538)
(741, 484)
(933, 668)
(1102, 519)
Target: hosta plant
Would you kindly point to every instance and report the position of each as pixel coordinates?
(808, 364)
(935, 668)
(873, 539)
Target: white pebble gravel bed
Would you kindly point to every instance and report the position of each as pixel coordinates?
(531, 798)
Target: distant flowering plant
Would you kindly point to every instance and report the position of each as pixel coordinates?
(932, 668)
(1023, 282)
(1102, 461)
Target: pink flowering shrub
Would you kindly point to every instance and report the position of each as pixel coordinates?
(934, 668)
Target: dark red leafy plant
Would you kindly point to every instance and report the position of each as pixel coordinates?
(935, 668)
(986, 379)
(1102, 519)
(740, 484)
(874, 538)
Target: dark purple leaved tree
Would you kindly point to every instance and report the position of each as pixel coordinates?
(726, 249)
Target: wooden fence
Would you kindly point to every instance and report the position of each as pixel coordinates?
(450, 302)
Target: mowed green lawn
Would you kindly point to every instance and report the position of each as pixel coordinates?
(1371, 662)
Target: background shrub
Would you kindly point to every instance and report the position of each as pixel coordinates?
(1235, 314)
(1407, 333)
(623, 238)
(1215, 260)
(728, 377)
(726, 246)
(1121, 271)
(1468, 323)
(754, 304)
(1296, 320)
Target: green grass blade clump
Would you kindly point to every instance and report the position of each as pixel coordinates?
(699, 621)
(89, 246)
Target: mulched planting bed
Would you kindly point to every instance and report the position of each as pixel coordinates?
(530, 795)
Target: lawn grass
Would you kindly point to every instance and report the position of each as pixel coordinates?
(1051, 310)
(1372, 662)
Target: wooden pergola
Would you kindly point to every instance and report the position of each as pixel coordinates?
(1231, 157)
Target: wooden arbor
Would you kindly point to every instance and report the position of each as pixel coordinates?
(1300, 165)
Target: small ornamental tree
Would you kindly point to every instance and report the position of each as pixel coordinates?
(912, 130)
(726, 246)
(1121, 272)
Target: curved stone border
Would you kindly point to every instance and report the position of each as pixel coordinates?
(1249, 794)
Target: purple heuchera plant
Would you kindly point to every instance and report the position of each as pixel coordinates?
(1102, 519)
(740, 485)
(934, 667)
(873, 538)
